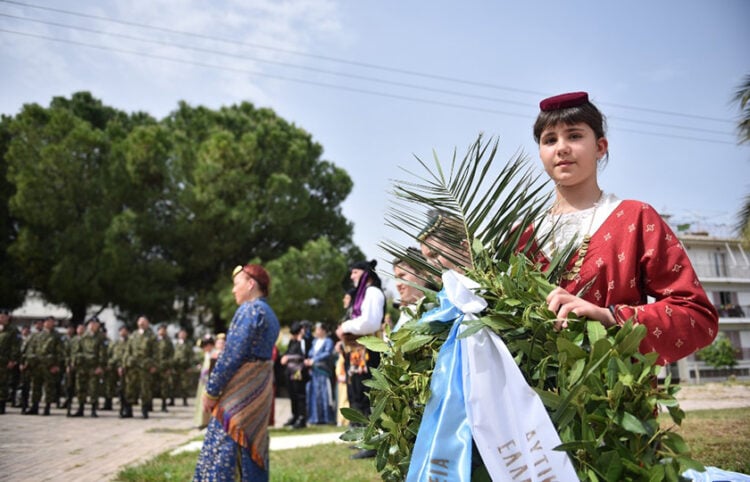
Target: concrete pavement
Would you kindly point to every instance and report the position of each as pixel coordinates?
(58, 448)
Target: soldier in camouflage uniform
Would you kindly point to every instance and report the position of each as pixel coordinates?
(109, 378)
(140, 366)
(70, 342)
(117, 354)
(28, 361)
(10, 355)
(163, 377)
(89, 361)
(183, 364)
(50, 357)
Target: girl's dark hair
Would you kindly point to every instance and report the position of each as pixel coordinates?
(586, 113)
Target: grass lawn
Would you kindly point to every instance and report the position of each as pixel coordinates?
(719, 438)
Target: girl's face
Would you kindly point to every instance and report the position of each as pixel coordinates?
(440, 255)
(569, 153)
(409, 294)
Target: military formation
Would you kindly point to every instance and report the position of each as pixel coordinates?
(42, 369)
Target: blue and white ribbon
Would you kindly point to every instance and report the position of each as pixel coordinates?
(478, 392)
(442, 450)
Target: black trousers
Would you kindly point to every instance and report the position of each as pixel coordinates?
(298, 399)
(356, 389)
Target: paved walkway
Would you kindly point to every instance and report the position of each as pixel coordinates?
(58, 448)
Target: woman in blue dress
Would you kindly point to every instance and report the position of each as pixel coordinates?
(239, 393)
(320, 401)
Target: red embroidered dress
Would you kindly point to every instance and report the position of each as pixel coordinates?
(632, 256)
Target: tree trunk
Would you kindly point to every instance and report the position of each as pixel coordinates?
(79, 313)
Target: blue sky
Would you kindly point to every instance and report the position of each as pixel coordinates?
(419, 76)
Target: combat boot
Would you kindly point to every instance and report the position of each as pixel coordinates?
(164, 405)
(126, 410)
(79, 412)
(93, 410)
(34, 410)
(171, 402)
(144, 410)
(46, 409)
(107, 404)
(184, 402)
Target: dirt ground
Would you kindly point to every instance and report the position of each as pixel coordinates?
(713, 396)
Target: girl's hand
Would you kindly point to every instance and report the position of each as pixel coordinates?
(563, 303)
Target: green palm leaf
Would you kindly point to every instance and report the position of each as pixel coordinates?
(492, 209)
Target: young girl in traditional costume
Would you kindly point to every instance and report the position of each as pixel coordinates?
(626, 254)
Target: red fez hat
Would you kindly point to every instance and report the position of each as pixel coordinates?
(564, 101)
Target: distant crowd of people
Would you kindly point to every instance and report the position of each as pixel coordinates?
(42, 369)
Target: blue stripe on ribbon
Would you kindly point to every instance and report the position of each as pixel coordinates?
(442, 450)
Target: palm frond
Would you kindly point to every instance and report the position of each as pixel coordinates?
(493, 209)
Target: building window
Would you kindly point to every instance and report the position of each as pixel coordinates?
(720, 263)
(728, 304)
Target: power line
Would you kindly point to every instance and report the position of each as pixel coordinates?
(329, 72)
(273, 49)
(266, 61)
(262, 74)
(313, 83)
(347, 61)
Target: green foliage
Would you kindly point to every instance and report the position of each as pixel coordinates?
(107, 207)
(12, 285)
(307, 283)
(720, 353)
(742, 98)
(599, 391)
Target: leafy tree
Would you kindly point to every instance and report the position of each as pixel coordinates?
(305, 284)
(59, 160)
(12, 282)
(742, 97)
(249, 185)
(720, 353)
(149, 216)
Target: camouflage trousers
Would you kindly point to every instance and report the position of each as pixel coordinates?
(138, 384)
(43, 380)
(162, 384)
(87, 385)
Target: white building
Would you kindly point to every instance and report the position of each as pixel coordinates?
(723, 268)
(36, 308)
